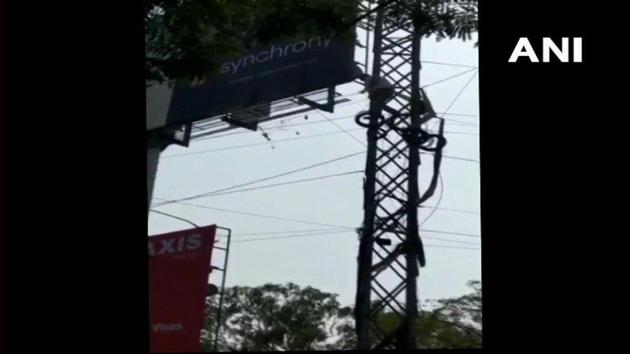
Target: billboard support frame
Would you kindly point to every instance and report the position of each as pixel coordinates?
(247, 125)
(163, 137)
(329, 106)
(222, 293)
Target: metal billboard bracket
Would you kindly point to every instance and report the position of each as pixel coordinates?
(253, 125)
(163, 137)
(329, 106)
(223, 270)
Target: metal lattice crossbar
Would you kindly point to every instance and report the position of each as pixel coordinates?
(391, 248)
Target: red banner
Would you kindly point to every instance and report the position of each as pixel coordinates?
(179, 265)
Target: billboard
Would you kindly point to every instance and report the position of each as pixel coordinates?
(267, 73)
(179, 265)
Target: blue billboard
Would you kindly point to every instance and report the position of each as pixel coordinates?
(265, 74)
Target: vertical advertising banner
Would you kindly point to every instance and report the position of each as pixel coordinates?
(179, 265)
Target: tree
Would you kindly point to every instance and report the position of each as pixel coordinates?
(452, 323)
(442, 19)
(286, 317)
(445, 323)
(276, 317)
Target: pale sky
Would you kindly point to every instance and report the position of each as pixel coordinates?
(327, 261)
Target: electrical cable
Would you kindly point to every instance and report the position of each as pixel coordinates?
(336, 231)
(332, 233)
(282, 126)
(283, 232)
(311, 222)
(254, 144)
(262, 215)
(285, 183)
(447, 64)
(342, 129)
(448, 78)
(174, 217)
(265, 178)
(461, 91)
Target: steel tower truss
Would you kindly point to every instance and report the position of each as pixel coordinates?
(397, 123)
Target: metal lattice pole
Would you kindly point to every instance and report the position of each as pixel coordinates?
(390, 247)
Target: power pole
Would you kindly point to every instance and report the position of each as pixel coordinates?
(390, 248)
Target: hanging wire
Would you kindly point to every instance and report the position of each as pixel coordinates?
(175, 217)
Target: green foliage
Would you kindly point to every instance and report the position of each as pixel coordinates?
(447, 323)
(442, 19)
(286, 317)
(453, 323)
(277, 318)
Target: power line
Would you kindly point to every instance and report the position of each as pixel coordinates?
(448, 78)
(451, 209)
(312, 222)
(285, 183)
(339, 232)
(461, 133)
(282, 126)
(292, 236)
(440, 173)
(265, 178)
(320, 178)
(453, 241)
(336, 231)
(457, 114)
(342, 129)
(454, 247)
(450, 233)
(461, 91)
(228, 190)
(306, 137)
(453, 157)
(283, 232)
(261, 215)
(461, 122)
(447, 64)
(174, 217)
(255, 144)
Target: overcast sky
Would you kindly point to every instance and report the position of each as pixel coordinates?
(327, 259)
